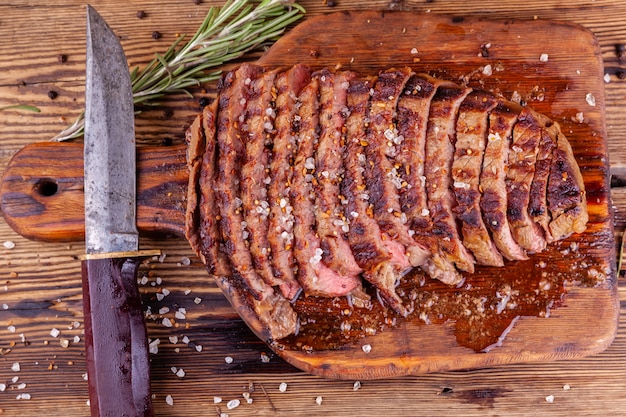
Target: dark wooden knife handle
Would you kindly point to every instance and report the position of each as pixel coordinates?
(118, 365)
(42, 195)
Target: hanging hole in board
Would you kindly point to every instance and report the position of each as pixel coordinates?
(46, 187)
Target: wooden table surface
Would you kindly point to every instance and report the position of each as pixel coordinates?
(208, 352)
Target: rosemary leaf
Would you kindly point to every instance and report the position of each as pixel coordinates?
(21, 107)
(226, 33)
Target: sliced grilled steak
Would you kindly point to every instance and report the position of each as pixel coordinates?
(201, 226)
(519, 178)
(471, 134)
(440, 138)
(258, 125)
(382, 178)
(234, 92)
(332, 224)
(288, 85)
(566, 190)
(314, 276)
(413, 110)
(383, 259)
(538, 204)
(492, 179)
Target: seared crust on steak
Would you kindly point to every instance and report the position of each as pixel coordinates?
(538, 203)
(234, 93)
(288, 85)
(413, 110)
(258, 124)
(440, 139)
(383, 259)
(566, 191)
(315, 277)
(522, 159)
(381, 176)
(332, 224)
(493, 203)
(471, 133)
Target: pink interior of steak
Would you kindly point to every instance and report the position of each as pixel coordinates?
(302, 184)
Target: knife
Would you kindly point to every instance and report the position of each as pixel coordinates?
(118, 367)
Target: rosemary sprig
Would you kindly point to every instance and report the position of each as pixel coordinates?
(21, 107)
(227, 33)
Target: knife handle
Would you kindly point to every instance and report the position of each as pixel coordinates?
(116, 343)
(42, 196)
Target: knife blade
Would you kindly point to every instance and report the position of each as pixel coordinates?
(116, 342)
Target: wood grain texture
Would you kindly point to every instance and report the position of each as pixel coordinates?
(41, 287)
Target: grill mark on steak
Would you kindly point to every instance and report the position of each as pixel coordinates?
(413, 110)
(522, 160)
(440, 139)
(566, 191)
(492, 179)
(381, 176)
(383, 260)
(288, 85)
(314, 276)
(471, 131)
(332, 224)
(233, 95)
(538, 203)
(257, 126)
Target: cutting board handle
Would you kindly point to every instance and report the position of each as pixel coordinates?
(42, 191)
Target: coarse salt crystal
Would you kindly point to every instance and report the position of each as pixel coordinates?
(217, 400)
(566, 387)
(180, 373)
(159, 296)
(3, 387)
(550, 399)
(198, 348)
(181, 314)
(16, 367)
(15, 379)
(367, 348)
(591, 100)
(153, 346)
(319, 400)
(21, 386)
(173, 339)
(197, 300)
(158, 281)
(9, 244)
(414, 51)
(228, 359)
(186, 340)
(607, 78)
(11, 329)
(24, 396)
(76, 339)
(5, 306)
(167, 322)
(169, 400)
(233, 404)
(55, 332)
(487, 70)
(356, 385)
(264, 357)
(543, 58)
(164, 310)
(282, 387)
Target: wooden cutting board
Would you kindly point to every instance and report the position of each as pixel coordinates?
(560, 304)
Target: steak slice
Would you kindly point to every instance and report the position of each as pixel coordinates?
(314, 276)
(332, 224)
(440, 138)
(234, 92)
(255, 129)
(201, 225)
(527, 134)
(471, 133)
(381, 176)
(538, 203)
(492, 179)
(288, 85)
(413, 110)
(566, 190)
(383, 259)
